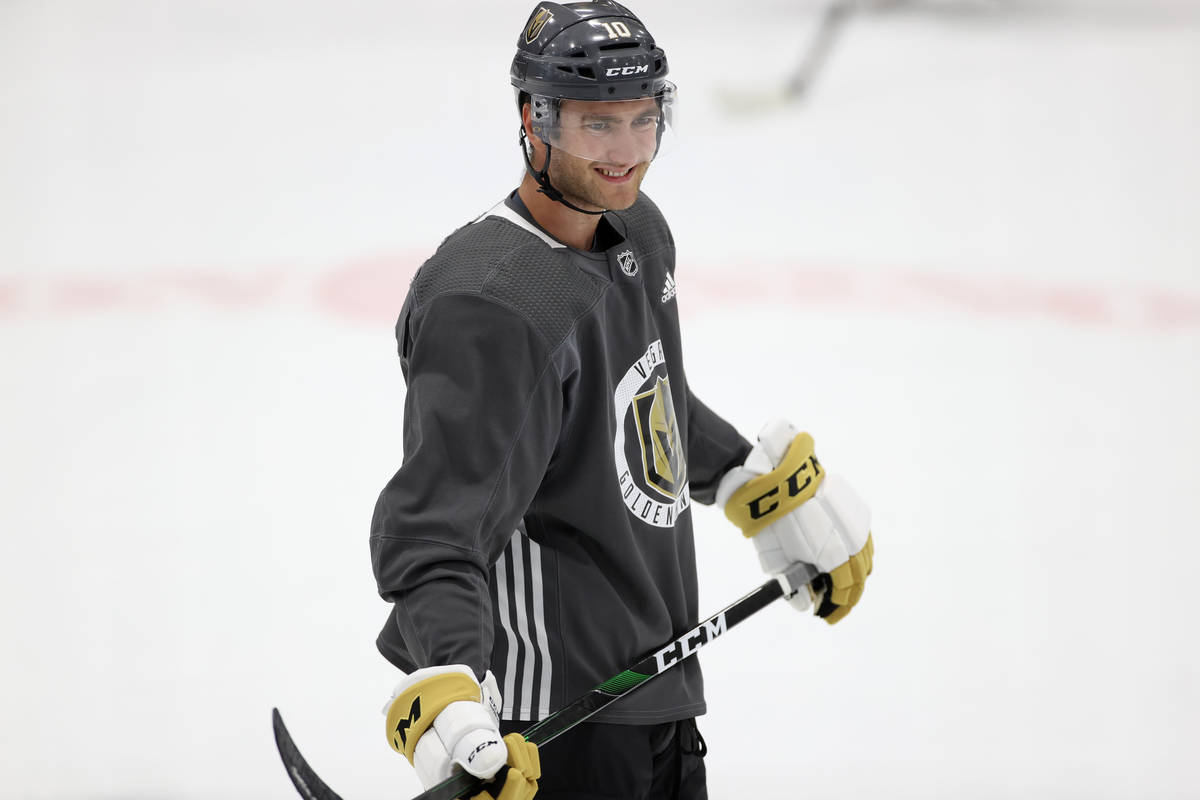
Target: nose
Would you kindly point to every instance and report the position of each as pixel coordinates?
(629, 147)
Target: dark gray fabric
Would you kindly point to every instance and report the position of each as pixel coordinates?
(517, 536)
(716, 448)
(623, 762)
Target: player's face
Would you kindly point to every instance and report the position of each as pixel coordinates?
(603, 150)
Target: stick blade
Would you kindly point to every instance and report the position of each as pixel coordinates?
(307, 783)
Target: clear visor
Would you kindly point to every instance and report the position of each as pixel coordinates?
(621, 133)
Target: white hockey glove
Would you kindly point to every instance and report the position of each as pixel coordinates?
(783, 500)
(440, 717)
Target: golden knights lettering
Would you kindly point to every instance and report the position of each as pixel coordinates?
(536, 23)
(652, 476)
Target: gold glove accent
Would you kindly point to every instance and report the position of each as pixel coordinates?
(847, 582)
(768, 497)
(526, 768)
(414, 709)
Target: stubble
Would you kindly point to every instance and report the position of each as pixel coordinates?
(581, 186)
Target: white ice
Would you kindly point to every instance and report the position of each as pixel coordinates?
(969, 264)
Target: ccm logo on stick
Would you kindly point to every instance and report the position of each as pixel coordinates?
(614, 71)
(689, 643)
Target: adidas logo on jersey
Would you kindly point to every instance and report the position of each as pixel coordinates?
(668, 288)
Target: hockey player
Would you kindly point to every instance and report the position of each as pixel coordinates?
(538, 536)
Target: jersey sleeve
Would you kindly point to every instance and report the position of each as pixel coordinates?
(481, 419)
(714, 448)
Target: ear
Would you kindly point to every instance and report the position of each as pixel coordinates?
(527, 119)
(539, 147)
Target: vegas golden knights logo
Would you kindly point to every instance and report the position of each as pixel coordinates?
(648, 452)
(536, 23)
(662, 453)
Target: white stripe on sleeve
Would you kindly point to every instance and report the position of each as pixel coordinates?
(510, 670)
(539, 616)
(519, 584)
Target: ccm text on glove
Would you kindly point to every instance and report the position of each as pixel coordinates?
(785, 503)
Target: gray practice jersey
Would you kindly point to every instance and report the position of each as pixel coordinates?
(540, 524)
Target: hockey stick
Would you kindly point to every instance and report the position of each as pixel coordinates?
(832, 23)
(311, 787)
(804, 75)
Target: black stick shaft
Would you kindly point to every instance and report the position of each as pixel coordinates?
(464, 784)
(833, 20)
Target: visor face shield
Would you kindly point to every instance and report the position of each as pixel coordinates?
(617, 132)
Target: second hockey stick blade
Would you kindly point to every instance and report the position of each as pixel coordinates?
(307, 783)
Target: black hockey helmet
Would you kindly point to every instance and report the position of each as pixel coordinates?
(595, 52)
(588, 51)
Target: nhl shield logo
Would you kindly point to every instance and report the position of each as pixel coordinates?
(628, 263)
(536, 23)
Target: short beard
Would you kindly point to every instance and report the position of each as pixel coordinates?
(567, 176)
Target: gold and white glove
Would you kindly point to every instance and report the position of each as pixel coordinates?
(442, 717)
(782, 499)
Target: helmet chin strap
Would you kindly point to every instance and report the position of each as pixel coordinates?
(542, 177)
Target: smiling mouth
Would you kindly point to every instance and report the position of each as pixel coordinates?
(615, 175)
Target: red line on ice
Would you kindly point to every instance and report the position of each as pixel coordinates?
(371, 290)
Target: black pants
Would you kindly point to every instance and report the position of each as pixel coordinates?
(595, 761)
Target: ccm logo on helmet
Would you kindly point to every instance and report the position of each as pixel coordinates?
(614, 71)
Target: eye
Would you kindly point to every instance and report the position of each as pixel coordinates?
(596, 127)
(645, 123)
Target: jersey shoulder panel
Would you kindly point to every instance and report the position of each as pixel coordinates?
(646, 226)
(464, 260)
(543, 285)
(507, 264)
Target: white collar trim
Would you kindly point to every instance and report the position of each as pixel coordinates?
(502, 210)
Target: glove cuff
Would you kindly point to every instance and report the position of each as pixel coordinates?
(765, 498)
(418, 703)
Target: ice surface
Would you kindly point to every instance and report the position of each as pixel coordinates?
(968, 265)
